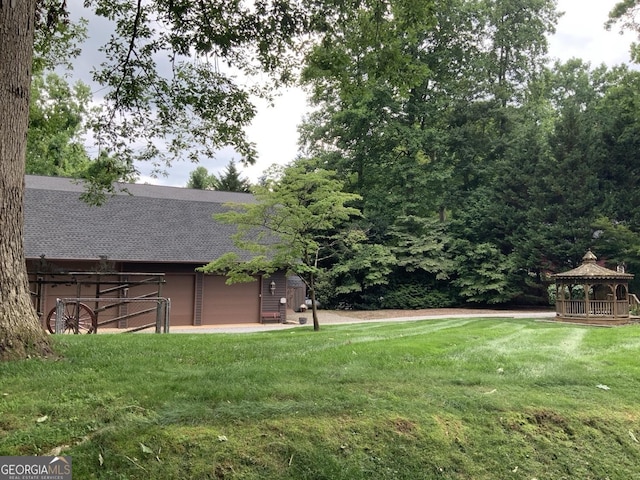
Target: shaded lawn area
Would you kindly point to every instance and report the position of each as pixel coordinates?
(443, 399)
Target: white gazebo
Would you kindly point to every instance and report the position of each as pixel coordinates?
(593, 294)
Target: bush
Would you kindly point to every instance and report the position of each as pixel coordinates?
(414, 296)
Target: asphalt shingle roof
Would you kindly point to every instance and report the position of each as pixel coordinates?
(590, 269)
(148, 224)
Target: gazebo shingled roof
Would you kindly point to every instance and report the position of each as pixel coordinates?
(591, 270)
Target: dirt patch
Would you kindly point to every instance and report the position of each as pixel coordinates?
(403, 426)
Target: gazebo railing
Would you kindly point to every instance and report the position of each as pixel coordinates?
(571, 307)
(596, 308)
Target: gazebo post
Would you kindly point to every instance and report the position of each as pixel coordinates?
(561, 302)
(587, 300)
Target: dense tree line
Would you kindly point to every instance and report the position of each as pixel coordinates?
(481, 168)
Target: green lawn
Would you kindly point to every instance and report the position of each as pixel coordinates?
(447, 399)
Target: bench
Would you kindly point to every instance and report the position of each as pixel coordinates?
(270, 316)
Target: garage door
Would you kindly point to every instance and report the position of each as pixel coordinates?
(180, 289)
(224, 304)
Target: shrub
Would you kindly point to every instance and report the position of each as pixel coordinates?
(414, 296)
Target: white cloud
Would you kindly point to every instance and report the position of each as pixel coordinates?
(581, 34)
(274, 130)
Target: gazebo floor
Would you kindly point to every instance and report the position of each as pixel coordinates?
(598, 321)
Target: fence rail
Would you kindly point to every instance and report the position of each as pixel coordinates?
(161, 305)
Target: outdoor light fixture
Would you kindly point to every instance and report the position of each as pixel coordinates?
(272, 288)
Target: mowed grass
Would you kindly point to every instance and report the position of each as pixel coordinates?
(446, 399)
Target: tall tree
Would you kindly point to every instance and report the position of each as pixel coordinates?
(298, 218)
(201, 179)
(231, 180)
(626, 14)
(567, 165)
(56, 122)
(413, 99)
(618, 121)
(418, 102)
(20, 330)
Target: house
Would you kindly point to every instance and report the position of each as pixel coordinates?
(146, 240)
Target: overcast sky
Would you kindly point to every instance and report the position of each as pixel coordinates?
(580, 33)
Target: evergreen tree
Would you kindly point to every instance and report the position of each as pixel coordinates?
(231, 180)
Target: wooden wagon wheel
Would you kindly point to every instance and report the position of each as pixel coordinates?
(78, 318)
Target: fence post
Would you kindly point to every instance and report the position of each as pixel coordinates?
(158, 316)
(167, 314)
(59, 316)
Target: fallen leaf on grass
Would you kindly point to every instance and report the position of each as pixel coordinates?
(42, 419)
(145, 449)
(222, 438)
(56, 451)
(602, 387)
(633, 437)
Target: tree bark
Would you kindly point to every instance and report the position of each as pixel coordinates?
(314, 308)
(20, 332)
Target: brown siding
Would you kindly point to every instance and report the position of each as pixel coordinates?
(134, 308)
(296, 292)
(181, 290)
(197, 301)
(223, 304)
(273, 302)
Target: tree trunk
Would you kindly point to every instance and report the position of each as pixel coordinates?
(312, 297)
(20, 332)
